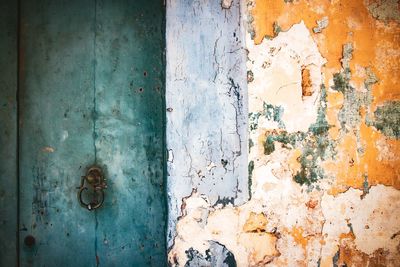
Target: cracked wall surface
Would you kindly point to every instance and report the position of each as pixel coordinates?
(206, 93)
(323, 143)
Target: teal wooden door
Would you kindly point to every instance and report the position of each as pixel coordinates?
(91, 92)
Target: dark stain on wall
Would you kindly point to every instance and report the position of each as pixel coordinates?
(216, 255)
(387, 119)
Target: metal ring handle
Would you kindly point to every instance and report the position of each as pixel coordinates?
(91, 205)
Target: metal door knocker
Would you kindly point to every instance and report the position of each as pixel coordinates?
(95, 183)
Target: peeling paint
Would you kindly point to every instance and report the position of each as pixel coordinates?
(384, 9)
(206, 87)
(321, 24)
(226, 3)
(374, 220)
(285, 58)
(216, 255)
(323, 142)
(387, 119)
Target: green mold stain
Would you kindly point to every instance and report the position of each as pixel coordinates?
(253, 120)
(321, 126)
(288, 140)
(365, 186)
(349, 115)
(315, 145)
(270, 112)
(250, 22)
(340, 82)
(314, 149)
(269, 145)
(250, 76)
(310, 172)
(274, 113)
(387, 119)
(251, 169)
(251, 144)
(277, 29)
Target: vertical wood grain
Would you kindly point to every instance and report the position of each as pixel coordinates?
(8, 132)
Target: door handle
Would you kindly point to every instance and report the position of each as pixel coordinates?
(92, 187)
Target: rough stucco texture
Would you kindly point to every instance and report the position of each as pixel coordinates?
(206, 103)
(324, 114)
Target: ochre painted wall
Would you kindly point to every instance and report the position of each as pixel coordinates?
(324, 129)
(372, 28)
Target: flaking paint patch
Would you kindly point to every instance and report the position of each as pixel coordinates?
(373, 219)
(374, 48)
(285, 225)
(255, 231)
(385, 10)
(206, 92)
(286, 58)
(321, 24)
(356, 136)
(202, 223)
(226, 4)
(216, 255)
(337, 220)
(387, 119)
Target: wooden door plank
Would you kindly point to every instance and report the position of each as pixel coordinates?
(206, 99)
(56, 134)
(130, 132)
(8, 132)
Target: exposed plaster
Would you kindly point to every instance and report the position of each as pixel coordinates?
(374, 219)
(321, 24)
(286, 225)
(226, 4)
(205, 93)
(320, 133)
(287, 58)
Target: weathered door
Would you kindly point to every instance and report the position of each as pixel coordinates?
(90, 90)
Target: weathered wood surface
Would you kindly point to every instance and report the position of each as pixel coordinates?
(8, 132)
(56, 131)
(92, 92)
(206, 103)
(130, 96)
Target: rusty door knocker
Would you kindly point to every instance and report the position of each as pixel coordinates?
(95, 182)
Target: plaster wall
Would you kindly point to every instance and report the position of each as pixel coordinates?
(206, 100)
(323, 143)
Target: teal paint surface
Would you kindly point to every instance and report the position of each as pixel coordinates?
(129, 130)
(56, 131)
(92, 92)
(8, 132)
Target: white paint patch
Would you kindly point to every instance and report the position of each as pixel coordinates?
(202, 223)
(374, 220)
(226, 3)
(277, 66)
(170, 155)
